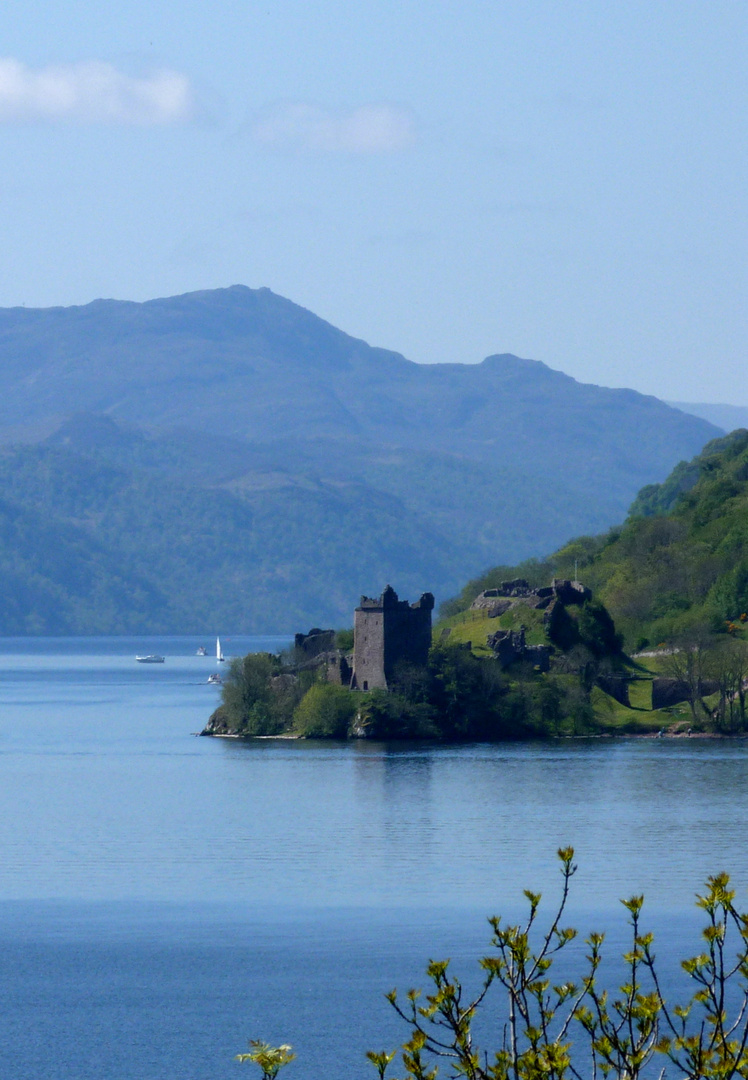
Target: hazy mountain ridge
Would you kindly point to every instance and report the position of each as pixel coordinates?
(263, 360)
(727, 417)
(248, 364)
(260, 468)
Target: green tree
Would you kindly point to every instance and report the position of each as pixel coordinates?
(553, 1029)
(385, 715)
(563, 1028)
(344, 640)
(464, 692)
(562, 629)
(727, 665)
(325, 712)
(689, 663)
(597, 630)
(247, 697)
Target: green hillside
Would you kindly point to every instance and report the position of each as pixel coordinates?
(59, 579)
(87, 547)
(678, 564)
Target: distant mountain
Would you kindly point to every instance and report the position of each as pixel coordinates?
(249, 364)
(239, 463)
(727, 417)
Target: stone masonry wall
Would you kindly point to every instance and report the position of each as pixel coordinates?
(368, 649)
(388, 632)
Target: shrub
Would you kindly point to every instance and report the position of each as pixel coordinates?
(383, 715)
(562, 1028)
(325, 712)
(344, 640)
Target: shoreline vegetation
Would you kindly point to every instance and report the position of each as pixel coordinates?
(653, 644)
(590, 689)
(700, 735)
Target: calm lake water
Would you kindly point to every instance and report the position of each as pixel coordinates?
(165, 897)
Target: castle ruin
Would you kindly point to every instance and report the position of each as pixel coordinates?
(388, 632)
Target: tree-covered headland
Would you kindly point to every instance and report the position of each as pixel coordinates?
(678, 564)
(533, 681)
(658, 641)
(674, 578)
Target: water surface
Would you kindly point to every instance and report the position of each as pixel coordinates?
(165, 896)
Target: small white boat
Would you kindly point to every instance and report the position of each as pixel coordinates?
(201, 651)
(215, 679)
(219, 654)
(150, 659)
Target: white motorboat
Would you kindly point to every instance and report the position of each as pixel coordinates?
(215, 679)
(152, 658)
(201, 651)
(219, 654)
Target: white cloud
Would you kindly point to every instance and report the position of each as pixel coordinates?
(370, 129)
(92, 92)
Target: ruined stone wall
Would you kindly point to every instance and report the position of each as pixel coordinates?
(507, 645)
(667, 692)
(315, 642)
(509, 593)
(407, 636)
(617, 686)
(338, 670)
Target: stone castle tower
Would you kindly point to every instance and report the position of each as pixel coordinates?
(386, 632)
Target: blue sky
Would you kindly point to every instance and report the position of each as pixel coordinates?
(566, 181)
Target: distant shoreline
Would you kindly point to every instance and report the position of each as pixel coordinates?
(287, 737)
(235, 735)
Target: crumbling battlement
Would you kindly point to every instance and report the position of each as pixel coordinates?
(570, 592)
(387, 632)
(509, 593)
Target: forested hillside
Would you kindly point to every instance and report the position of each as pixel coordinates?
(678, 565)
(93, 548)
(228, 459)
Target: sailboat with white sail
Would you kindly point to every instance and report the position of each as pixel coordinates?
(219, 654)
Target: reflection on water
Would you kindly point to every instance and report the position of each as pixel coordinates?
(106, 794)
